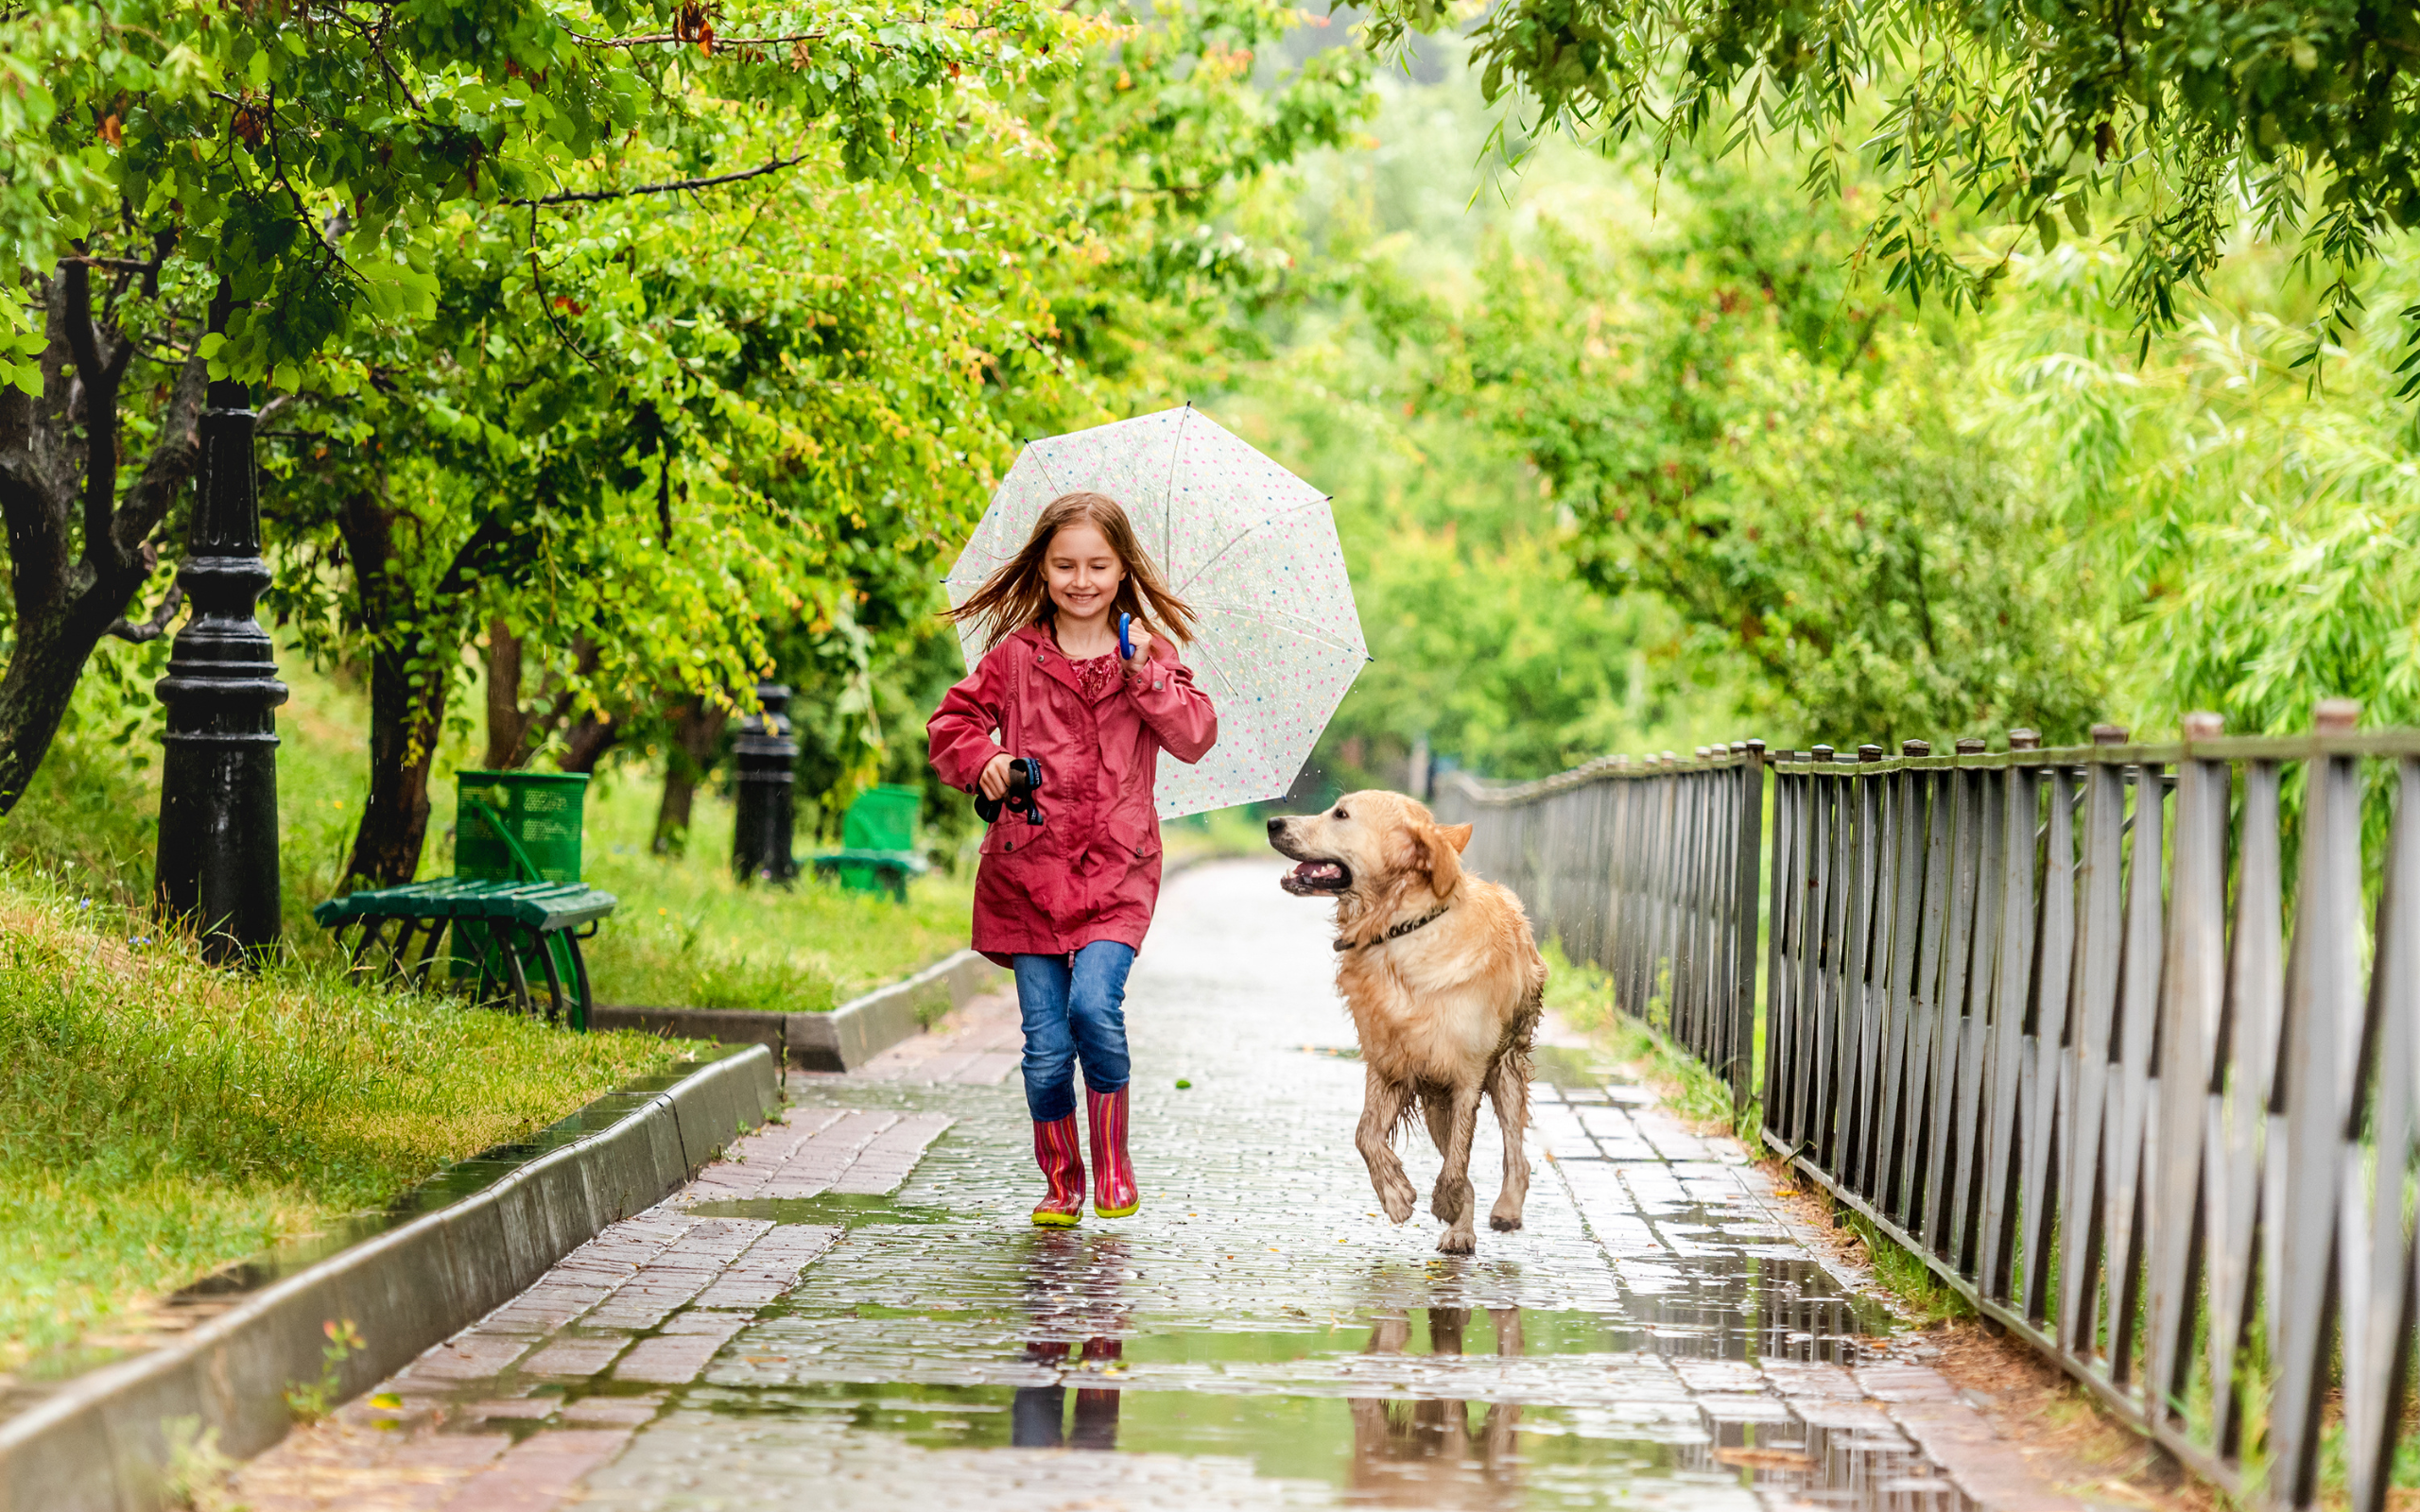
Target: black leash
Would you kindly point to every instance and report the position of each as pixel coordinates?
(1396, 933)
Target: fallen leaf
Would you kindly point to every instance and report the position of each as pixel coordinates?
(1764, 1459)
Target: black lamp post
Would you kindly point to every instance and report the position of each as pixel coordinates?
(765, 768)
(217, 861)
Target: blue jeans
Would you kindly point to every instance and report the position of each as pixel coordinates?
(1074, 1006)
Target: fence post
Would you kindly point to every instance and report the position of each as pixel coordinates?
(2012, 1049)
(1749, 859)
(2101, 913)
(2322, 1030)
(1780, 1006)
(2192, 1007)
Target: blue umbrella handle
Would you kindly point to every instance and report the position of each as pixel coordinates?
(1125, 647)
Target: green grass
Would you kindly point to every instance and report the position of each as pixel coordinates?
(685, 935)
(160, 1118)
(1220, 832)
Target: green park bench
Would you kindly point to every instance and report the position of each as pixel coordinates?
(877, 842)
(515, 907)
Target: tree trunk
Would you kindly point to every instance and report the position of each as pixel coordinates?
(508, 724)
(589, 738)
(45, 663)
(407, 697)
(78, 552)
(407, 716)
(696, 728)
(407, 706)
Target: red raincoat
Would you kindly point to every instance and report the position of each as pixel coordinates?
(1091, 870)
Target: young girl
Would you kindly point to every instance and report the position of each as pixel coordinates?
(1066, 903)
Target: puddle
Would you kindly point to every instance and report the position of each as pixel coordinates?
(1570, 1071)
(1436, 1406)
(1259, 1335)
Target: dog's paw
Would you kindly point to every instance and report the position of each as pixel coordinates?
(1457, 1242)
(1504, 1223)
(1445, 1201)
(1397, 1197)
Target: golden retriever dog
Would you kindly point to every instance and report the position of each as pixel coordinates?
(1444, 984)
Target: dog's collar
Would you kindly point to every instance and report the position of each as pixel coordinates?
(1396, 933)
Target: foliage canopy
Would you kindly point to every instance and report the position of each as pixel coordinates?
(2172, 126)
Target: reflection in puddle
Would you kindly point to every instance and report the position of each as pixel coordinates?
(1038, 1415)
(1428, 1442)
(1386, 1405)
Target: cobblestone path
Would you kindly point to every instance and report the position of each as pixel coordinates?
(853, 1310)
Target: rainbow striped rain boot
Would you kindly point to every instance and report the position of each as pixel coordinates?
(1063, 1165)
(1114, 1193)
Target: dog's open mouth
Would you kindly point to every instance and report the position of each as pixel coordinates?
(1316, 877)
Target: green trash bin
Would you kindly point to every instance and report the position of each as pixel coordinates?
(542, 811)
(878, 841)
(883, 818)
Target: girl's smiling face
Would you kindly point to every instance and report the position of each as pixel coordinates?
(1081, 572)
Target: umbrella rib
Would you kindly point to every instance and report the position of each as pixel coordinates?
(1246, 535)
(1043, 463)
(1168, 494)
(1207, 665)
(1308, 630)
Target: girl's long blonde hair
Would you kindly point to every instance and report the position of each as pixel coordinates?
(1017, 594)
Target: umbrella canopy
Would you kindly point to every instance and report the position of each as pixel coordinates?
(1250, 545)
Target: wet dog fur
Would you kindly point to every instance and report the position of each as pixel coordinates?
(1445, 1012)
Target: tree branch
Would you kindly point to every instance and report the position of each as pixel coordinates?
(100, 376)
(718, 44)
(37, 485)
(153, 629)
(676, 186)
(83, 342)
(476, 553)
(173, 456)
(651, 39)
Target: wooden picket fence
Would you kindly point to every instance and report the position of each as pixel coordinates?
(2122, 1041)
(1646, 869)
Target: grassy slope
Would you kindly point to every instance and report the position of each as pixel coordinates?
(158, 1118)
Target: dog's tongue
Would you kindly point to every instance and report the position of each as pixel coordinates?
(1318, 871)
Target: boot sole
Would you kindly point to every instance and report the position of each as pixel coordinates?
(1127, 1211)
(1059, 1220)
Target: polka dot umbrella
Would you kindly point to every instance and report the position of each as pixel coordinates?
(1250, 545)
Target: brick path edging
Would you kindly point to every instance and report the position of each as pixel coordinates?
(103, 1443)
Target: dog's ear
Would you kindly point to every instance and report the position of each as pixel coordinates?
(1439, 852)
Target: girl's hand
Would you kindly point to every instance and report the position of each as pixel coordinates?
(995, 780)
(1142, 639)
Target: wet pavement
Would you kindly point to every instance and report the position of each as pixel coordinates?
(855, 1311)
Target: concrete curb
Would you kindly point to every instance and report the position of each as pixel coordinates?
(843, 1039)
(103, 1443)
